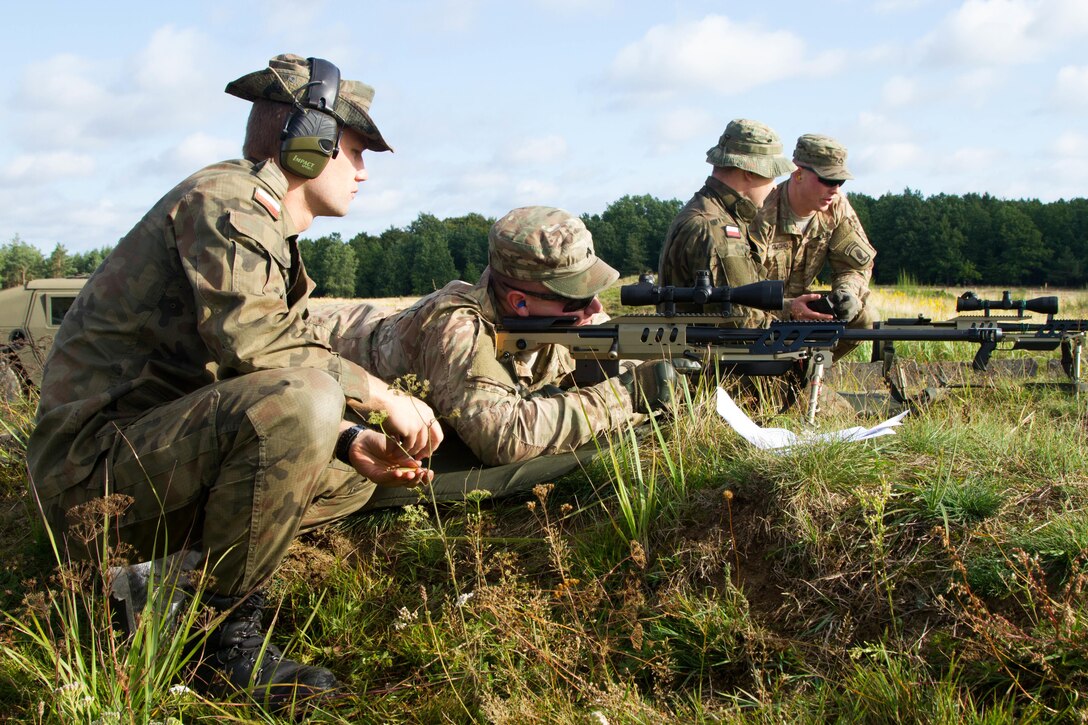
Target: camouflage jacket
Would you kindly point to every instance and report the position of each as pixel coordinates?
(711, 232)
(797, 257)
(501, 410)
(207, 286)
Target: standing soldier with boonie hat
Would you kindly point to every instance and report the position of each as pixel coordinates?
(187, 376)
(711, 231)
(806, 222)
(513, 409)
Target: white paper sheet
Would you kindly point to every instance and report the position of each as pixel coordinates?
(782, 439)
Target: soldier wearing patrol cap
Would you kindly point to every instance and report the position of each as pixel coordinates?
(807, 222)
(187, 375)
(541, 264)
(711, 231)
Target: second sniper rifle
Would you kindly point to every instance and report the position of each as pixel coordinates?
(711, 338)
(1024, 333)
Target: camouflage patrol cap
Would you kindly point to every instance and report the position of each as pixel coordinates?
(822, 154)
(284, 81)
(752, 146)
(550, 246)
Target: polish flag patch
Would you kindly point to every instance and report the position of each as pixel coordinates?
(732, 232)
(265, 199)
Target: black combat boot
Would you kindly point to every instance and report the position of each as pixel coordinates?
(236, 651)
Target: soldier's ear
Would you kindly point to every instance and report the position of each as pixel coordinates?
(516, 301)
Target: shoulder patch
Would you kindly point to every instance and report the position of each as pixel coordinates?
(861, 255)
(265, 199)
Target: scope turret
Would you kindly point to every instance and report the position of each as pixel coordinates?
(760, 295)
(970, 302)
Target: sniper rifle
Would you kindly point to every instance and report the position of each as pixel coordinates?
(709, 338)
(1024, 333)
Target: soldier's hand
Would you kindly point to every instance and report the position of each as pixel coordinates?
(846, 304)
(652, 385)
(413, 424)
(381, 459)
(800, 309)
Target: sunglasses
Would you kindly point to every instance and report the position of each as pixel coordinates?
(829, 183)
(572, 304)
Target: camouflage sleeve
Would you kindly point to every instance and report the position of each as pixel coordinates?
(347, 329)
(479, 397)
(850, 254)
(239, 265)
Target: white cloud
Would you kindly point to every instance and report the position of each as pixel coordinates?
(577, 6)
(1070, 144)
(533, 191)
(969, 160)
(880, 129)
(974, 87)
(452, 15)
(989, 32)
(75, 101)
(1060, 19)
(540, 150)
(715, 54)
(684, 124)
(486, 180)
(1005, 32)
(886, 157)
(900, 91)
(45, 168)
(892, 6)
(191, 153)
(1071, 88)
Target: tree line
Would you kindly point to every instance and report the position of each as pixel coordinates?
(942, 239)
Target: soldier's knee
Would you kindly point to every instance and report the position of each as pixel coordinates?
(310, 406)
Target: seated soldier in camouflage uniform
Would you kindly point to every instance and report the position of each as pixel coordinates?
(806, 222)
(541, 264)
(711, 231)
(187, 376)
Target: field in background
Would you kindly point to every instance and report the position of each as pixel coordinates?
(933, 576)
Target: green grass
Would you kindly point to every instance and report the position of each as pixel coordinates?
(934, 576)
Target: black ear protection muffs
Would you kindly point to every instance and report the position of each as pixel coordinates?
(312, 134)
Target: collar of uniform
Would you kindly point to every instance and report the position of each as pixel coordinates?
(489, 306)
(730, 198)
(271, 176)
(273, 179)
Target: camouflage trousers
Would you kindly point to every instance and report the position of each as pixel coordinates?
(235, 470)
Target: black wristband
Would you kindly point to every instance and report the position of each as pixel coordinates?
(344, 441)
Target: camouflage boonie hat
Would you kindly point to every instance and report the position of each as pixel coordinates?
(285, 78)
(751, 146)
(822, 154)
(550, 246)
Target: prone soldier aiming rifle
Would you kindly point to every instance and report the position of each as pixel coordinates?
(707, 338)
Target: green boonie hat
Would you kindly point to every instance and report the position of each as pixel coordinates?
(285, 78)
(751, 146)
(550, 246)
(822, 154)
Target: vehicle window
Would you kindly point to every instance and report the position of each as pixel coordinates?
(58, 307)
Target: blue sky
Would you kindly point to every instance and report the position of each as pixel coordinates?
(492, 105)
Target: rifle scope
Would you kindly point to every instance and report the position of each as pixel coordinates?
(761, 295)
(970, 302)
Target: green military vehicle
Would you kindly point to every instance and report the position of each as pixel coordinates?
(29, 318)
